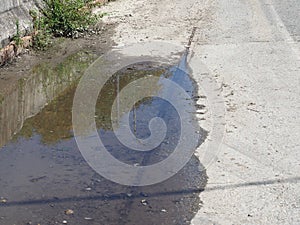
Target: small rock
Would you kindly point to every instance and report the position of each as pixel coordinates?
(144, 202)
(3, 200)
(69, 212)
(65, 222)
(143, 194)
(88, 218)
(164, 210)
(88, 189)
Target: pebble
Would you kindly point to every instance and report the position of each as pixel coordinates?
(143, 194)
(69, 212)
(144, 202)
(3, 200)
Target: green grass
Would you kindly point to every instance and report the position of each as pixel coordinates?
(17, 37)
(1, 99)
(61, 18)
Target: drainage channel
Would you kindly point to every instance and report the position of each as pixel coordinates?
(45, 180)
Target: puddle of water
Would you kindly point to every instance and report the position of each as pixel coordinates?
(31, 94)
(42, 172)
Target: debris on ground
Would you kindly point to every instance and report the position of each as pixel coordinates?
(88, 218)
(3, 200)
(144, 202)
(69, 212)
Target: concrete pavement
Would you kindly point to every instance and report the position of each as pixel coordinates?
(251, 50)
(256, 55)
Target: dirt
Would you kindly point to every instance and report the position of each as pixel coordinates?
(61, 49)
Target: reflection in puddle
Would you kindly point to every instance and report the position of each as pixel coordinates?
(42, 172)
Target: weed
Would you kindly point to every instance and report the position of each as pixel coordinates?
(17, 37)
(61, 18)
(1, 99)
(42, 35)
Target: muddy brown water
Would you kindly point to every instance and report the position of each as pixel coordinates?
(42, 173)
